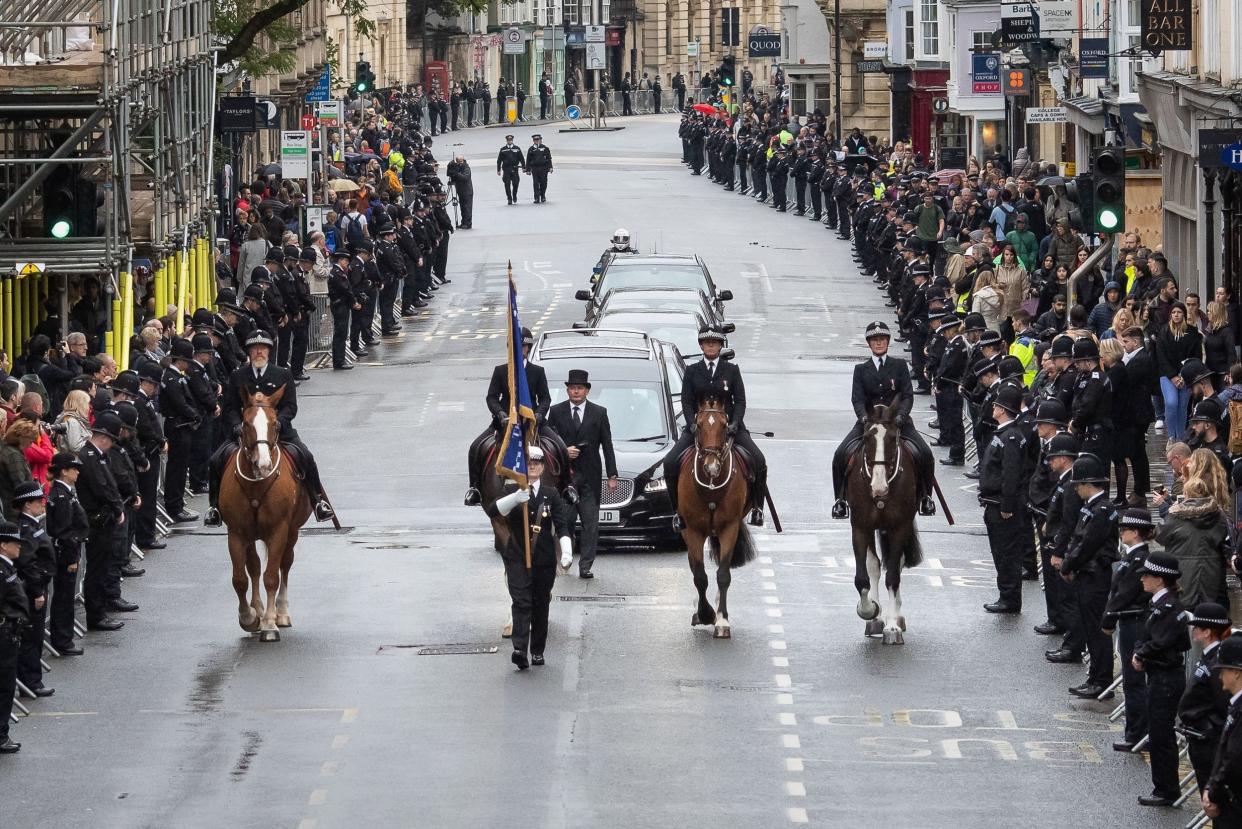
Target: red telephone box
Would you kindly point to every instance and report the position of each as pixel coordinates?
(436, 74)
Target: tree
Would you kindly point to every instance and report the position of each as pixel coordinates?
(261, 35)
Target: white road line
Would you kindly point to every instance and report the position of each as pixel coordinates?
(797, 815)
(795, 789)
(790, 741)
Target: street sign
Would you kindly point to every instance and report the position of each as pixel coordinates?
(238, 114)
(594, 34)
(322, 90)
(1017, 82)
(864, 67)
(28, 268)
(1165, 25)
(940, 105)
(985, 74)
(330, 113)
(875, 49)
(1214, 146)
(295, 154)
(1046, 115)
(730, 27)
(595, 58)
(308, 121)
(692, 49)
(1231, 156)
(513, 44)
(572, 112)
(1093, 57)
(763, 43)
(1058, 17)
(1019, 23)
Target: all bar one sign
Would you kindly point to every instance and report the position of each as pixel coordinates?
(1166, 25)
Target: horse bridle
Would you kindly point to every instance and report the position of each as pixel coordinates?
(894, 465)
(723, 454)
(273, 446)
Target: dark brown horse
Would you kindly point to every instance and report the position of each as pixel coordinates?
(712, 498)
(881, 486)
(262, 499)
(493, 485)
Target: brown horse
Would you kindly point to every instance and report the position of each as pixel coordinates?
(712, 499)
(493, 485)
(262, 498)
(881, 486)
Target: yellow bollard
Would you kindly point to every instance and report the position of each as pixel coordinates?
(161, 297)
(209, 274)
(31, 316)
(127, 319)
(7, 319)
(183, 286)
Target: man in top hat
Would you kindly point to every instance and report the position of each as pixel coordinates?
(539, 166)
(1205, 704)
(1126, 608)
(1158, 654)
(882, 380)
(584, 427)
(68, 528)
(1222, 795)
(181, 418)
(508, 162)
(1087, 564)
(36, 568)
(716, 376)
(550, 522)
(14, 619)
(1000, 492)
(105, 510)
(261, 377)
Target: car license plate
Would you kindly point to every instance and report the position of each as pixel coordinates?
(609, 516)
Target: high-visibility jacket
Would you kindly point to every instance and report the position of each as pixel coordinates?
(1024, 349)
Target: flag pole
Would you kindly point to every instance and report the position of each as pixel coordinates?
(517, 335)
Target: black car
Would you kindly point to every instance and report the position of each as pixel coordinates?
(638, 379)
(657, 299)
(679, 327)
(656, 270)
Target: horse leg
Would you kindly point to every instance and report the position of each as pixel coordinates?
(894, 622)
(246, 615)
(724, 577)
(282, 597)
(276, 546)
(863, 541)
(254, 569)
(694, 550)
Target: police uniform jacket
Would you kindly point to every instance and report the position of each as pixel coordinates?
(539, 158)
(359, 279)
(1063, 387)
(260, 319)
(287, 289)
(1165, 636)
(1000, 473)
(726, 384)
(340, 293)
(176, 400)
(37, 562)
(1094, 541)
(391, 262)
(14, 603)
(441, 216)
(890, 386)
(1043, 483)
(66, 524)
(953, 364)
(97, 490)
(410, 250)
(1126, 599)
(1092, 401)
(536, 382)
(1224, 786)
(272, 379)
(1205, 703)
(1063, 510)
(150, 430)
(202, 388)
(510, 158)
(123, 472)
(550, 518)
(935, 353)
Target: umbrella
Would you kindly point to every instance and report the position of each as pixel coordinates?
(1050, 181)
(271, 170)
(276, 205)
(706, 109)
(343, 185)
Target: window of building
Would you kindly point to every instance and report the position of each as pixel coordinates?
(797, 97)
(1209, 16)
(823, 98)
(929, 29)
(606, 12)
(981, 41)
(909, 35)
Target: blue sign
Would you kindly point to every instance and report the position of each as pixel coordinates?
(1093, 57)
(572, 112)
(1231, 156)
(985, 74)
(322, 91)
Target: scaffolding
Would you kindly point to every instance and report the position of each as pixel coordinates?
(126, 90)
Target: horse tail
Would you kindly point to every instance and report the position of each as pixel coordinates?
(913, 554)
(743, 549)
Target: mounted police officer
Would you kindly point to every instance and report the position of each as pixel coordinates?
(261, 377)
(882, 380)
(716, 376)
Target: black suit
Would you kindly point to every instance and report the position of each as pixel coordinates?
(498, 405)
(1131, 436)
(531, 590)
(591, 436)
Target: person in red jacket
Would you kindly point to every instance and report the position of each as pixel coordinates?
(40, 453)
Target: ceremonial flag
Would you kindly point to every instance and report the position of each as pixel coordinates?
(511, 459)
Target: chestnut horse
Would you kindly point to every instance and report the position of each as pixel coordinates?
(712, 499)
(881, 486)
(262, 499)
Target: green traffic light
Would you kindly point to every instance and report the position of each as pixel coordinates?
(1108, 220)
(61, 229)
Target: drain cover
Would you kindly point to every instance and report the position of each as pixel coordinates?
(456, 650)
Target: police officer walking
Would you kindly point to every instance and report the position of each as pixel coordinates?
(538, 165)
(508, 162)
(14, 619)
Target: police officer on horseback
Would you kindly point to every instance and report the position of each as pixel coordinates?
(261, 377)
(718, 377)
(885, 380)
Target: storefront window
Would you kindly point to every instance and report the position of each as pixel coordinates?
(990, 133)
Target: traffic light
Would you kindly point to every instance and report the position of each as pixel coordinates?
(1108, 189)
(726, 70)
(70, 204)
(364, 78)
(1079, 194)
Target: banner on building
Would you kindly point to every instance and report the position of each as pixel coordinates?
(1165, 25)
(1058, 18)
(1093, 57)
(1020, 22)
(1214, 147)
(1046, 115)
(985, 74)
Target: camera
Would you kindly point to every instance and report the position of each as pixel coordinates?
(58, 428)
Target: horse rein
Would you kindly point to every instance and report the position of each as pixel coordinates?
(723, 452)
(894, 465)
(271, 445)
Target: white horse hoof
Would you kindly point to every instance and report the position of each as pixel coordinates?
(269, 636)
(723, 632)
(893, 636)
(284, 621)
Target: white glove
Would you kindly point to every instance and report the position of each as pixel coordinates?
(567, 553)
(505, 505)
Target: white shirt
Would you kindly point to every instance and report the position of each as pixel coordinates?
(1129, 355)
(534, 489)
(879, 362)
(577, 407)
(1211, 646)
(1161, 592)
(1234, 698)
(711, 367)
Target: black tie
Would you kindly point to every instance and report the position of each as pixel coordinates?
(711, 371)
(577, 417)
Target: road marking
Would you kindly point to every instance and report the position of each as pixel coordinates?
(317, 797)
(771, 600)
(780, 662)
(774, 612)
(349, 715)
(340, 740)
(329, 768)
(777, 645)
(776, 628)
(769, 585)
(787, 718)
(767, 573)
(795, 789)
(797, 815)
(784, 699)
(307, 823)
(783, 681)
(794, 764)
(791, 741)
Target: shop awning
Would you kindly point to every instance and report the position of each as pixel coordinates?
(1086, 113)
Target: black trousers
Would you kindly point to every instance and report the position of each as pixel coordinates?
(511, 178)
(1134, 683)
(1058, 597)
(180, 443)
(465, 199)
(8, 679)
(741, 176)
(778, 192)
(761, 182)
(455, 111)
(843, 218)
(29, 671)
(120, 554)
(586, 513)
(656, 101)
(440, 265)
(627, 106)
(681, 99)
(530, 592)
(540, 178)
(918, 359)
(200, 451)
(340, 333)
(1091, 592)
(301, 343)
(800, 195)
(360, 326)
(1202, 753)
(99, 547)
(1164, 690)
(60, 610)
(1005, 540)
(817, 200)
(148, 490)
(284, 341)
(1132, 446)
(387, 300)
(952, 427)
(543, 107)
